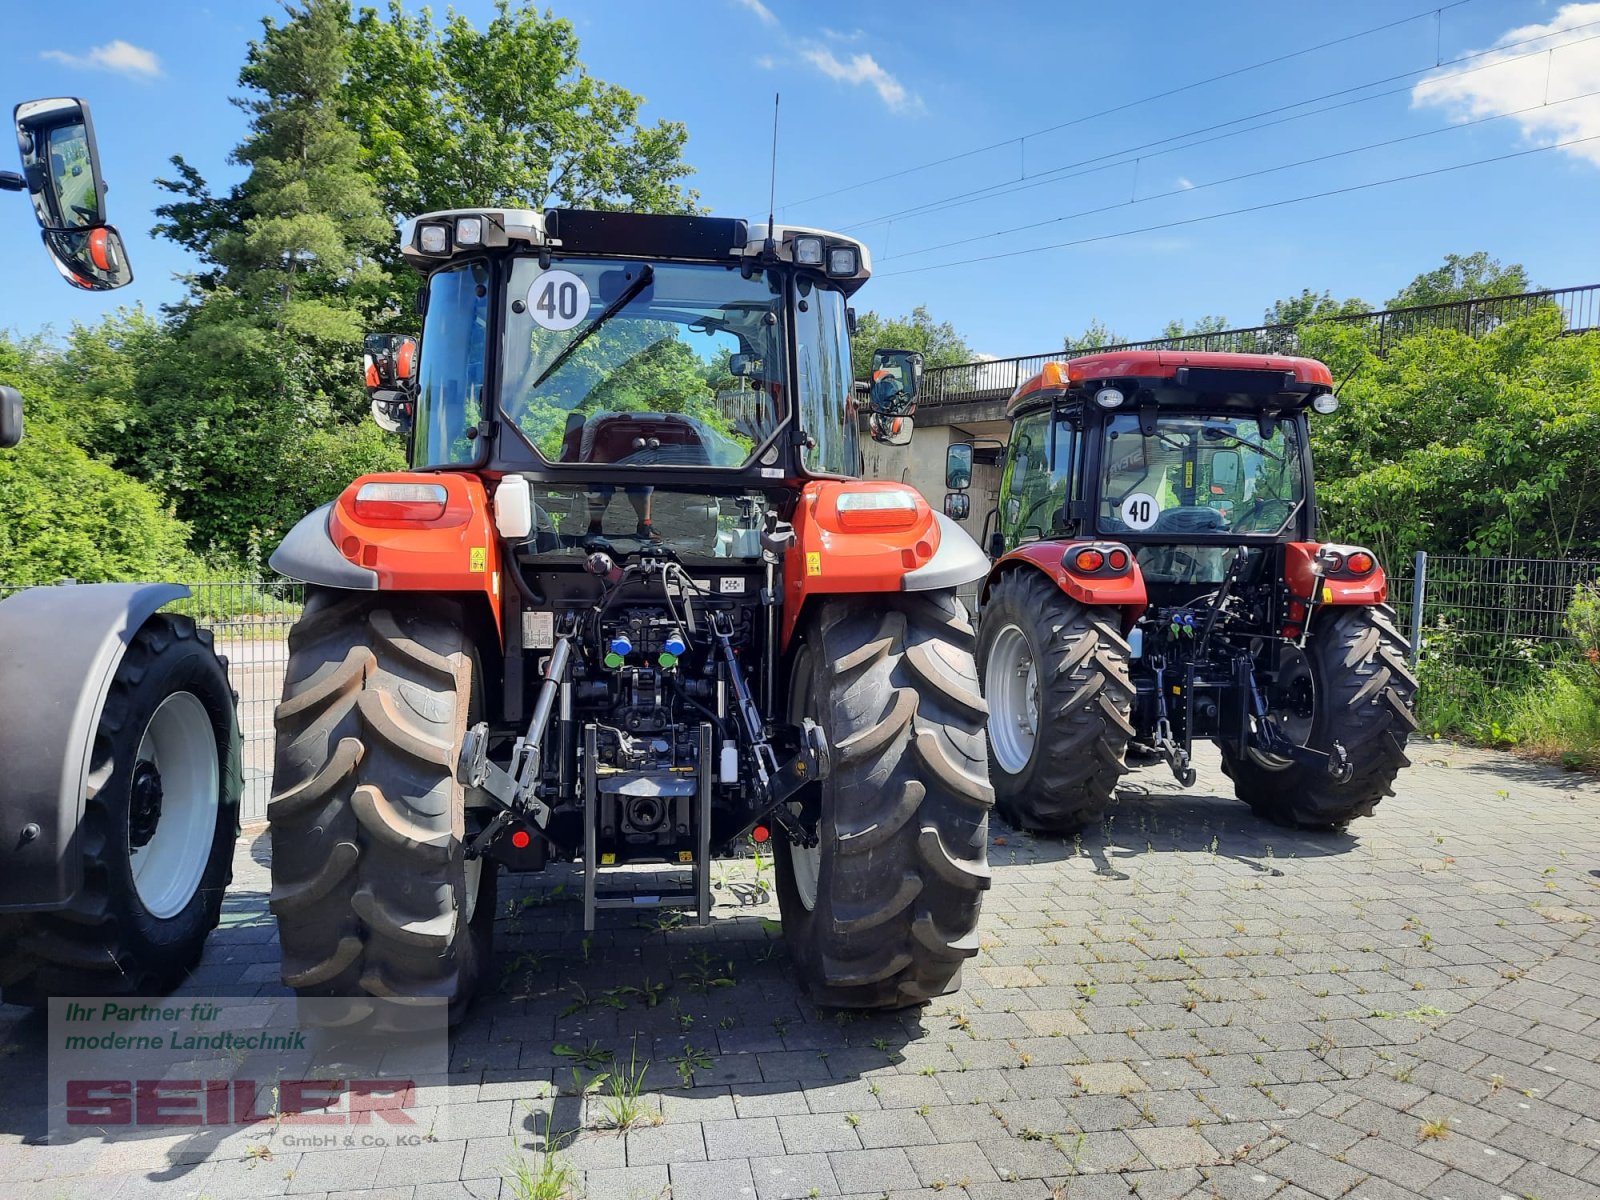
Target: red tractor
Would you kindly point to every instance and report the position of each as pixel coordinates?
(1158, 579)
(630, 605)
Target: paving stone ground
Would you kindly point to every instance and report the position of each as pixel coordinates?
(1185, 1002)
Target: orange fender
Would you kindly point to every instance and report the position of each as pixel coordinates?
(1116, 589)
(859, 548)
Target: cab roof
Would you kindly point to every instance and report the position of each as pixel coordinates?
(1191, 370)
(656, 236)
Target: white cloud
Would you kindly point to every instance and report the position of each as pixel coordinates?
(861, 69)
(1185, 183)
(122, 57)
(761, 10)
(857, 69)
(1503, 82)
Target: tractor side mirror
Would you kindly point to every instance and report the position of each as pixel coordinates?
(997, 544)
(744, 366)
(61, 163)
(957, 506)
(10, 417)
(896, 380)
(891, 431)
(91, 259)
(958, 466)
(389, 361)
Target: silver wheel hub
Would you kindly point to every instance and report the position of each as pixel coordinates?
(1011, 683)
(172, 815)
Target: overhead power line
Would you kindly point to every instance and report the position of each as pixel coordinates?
(1137, 153)
(1234, 212)
(1184, 191)
(1435, 12)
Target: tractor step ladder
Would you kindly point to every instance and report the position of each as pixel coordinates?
(696, 894)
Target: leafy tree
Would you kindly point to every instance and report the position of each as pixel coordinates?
(64, 514)
(1095, 336)
(1487, 445)
(1311, 306)
(940, 344)
(451, 116)
(1463, 277)
(1202, 325)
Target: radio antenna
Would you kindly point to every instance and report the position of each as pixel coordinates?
(772, 186)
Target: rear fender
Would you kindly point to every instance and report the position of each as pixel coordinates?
(1124, 590)
(59, 650)
(1339, 588)
(458, 551)
(905, 549)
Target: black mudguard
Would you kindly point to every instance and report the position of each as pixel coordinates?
(59, 649)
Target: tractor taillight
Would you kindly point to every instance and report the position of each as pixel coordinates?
(1089, 560)
(401, 501)
(877, 510)
(1360, 563)
(1118, 560)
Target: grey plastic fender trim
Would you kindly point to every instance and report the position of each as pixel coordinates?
(308, 554)
(59, 649)
(958, 560)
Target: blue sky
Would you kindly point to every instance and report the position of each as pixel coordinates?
(876, 90)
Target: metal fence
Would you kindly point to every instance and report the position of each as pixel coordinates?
(1505, 617)
(997, 378)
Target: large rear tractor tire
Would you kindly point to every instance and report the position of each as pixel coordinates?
(1355, 688)
(884, 910)
(160, 818)
(1055, 674)
(370, 885)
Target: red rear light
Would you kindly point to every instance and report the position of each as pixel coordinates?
(520, 839)
(401, 501)
(1089, 560)
(760, 834)
(1118, 560)
(1360, 563)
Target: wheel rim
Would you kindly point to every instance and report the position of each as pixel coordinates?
(805, 862)
(1011, 683)
(172, 810)
(474, 880)
(1291, 707)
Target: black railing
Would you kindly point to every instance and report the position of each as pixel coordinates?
(997, 378)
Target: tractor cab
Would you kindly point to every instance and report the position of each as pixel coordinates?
(1182, 457)
(1157, 528)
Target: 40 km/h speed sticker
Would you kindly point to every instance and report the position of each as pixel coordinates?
(1140, 510)
(558, 300)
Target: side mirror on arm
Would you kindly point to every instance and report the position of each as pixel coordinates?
(61, 163)
(957, 506)
(389, 361)
(892, 390)
(958, 466)
(10, 417)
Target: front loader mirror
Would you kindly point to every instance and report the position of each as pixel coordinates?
(958, 466)
(91, 259)
(896, 380)
(61, 163)
(891, 431)
(957, 506)
(10, 417)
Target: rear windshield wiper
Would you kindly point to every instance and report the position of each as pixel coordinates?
(1220, 434)
(593, 327)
